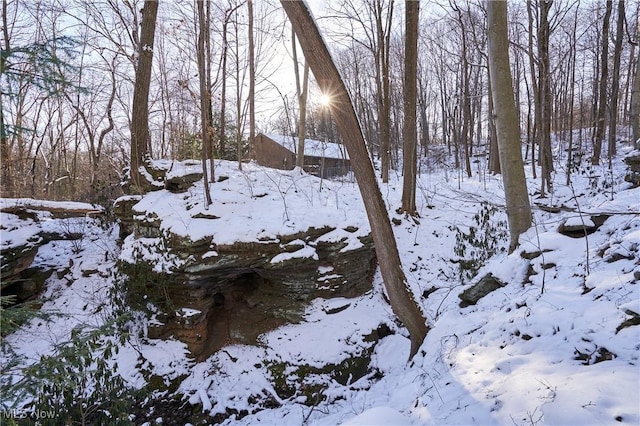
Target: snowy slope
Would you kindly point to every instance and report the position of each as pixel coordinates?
(541, 350)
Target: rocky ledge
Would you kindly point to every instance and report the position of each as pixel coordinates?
(27, 225)
(212, 290)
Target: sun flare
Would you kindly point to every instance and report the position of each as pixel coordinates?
(325, 100)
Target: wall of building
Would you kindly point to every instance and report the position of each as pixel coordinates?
(269, 153)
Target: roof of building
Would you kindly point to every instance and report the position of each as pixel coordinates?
(312, 147)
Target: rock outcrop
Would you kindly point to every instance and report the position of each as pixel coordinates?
(23, 234)
(232, 293)
(632, 160)
(213, 291)
(581, 226)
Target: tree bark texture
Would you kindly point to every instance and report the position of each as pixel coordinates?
(409, 133)
(140, 138)
(494, 156)
(600, 120)
(544, 92)
(634, 113)
(507, 129)
(383, 32)
(252, 82)
(205, 96)
(301, 94)
(331, 83)
(615, 82)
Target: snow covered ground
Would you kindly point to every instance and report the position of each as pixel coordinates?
(547, 348)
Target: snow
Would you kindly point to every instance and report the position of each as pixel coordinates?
(303, 253)
(312, 147)
(379, 416)
(527, 353)
(44, 204)
(187, 312)
(267, 202)
(579, 221)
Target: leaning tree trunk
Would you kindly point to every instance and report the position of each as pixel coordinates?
(507, 129)
(330, 82)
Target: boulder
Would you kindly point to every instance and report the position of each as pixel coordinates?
(229, 273)
(580, 226)
(633, 173)
(181, 183)
(486, 285)
(31, 209)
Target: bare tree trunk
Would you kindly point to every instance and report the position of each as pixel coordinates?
(210, 151)
(572, 91)
(329, 80)
(465, 104)
(600, 119)
(5, 149)
(409, 133)
(140, 139)
(615, 83)
(537, 113)
(544, 93)
(508, 132)
(634, 107)
(302, 123)
(205, 114)
(628, 82)
(222, 144)
(239, 118)
(494, 156)
(252, 82)
(383, 35)
(301, 93)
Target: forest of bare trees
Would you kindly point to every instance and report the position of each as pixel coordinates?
(223, 70)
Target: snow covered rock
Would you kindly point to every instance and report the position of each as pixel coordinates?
(28, 224)
(244, 263)
(486, 285)
(632, 160)
(241, 290)
(578, 226)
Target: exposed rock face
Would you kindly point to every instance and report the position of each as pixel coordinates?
(122, 209)
(633, 161)
(174, 176)
(216, 291)
(23, 235)
(15, 262)
(233, 293)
